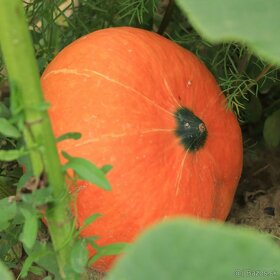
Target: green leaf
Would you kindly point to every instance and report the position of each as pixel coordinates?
(24, 179)
(185, 249)
(66, 156)
(7, 129)
(5, 273)
(11, 155)
(43, 106)
(106, 168)
(271, 130)
(253, 22)
(69, 135)
(87, 171)
(30, 228)
(11, 249)
(6, 187)
(25, 161)
(92, 241)
(37, 270)
(266, 86)
(79, 256)
(39, 197)
(8, 212)
(43, 255)
(89, 220)
(109, 250)
(4, 111)
(26, 265)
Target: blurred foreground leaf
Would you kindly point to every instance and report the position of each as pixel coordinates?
(253, 22)
(185, 249)
(5, 273)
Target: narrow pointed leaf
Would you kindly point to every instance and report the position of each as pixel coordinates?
(7, 129)
(69, 135)
(30, 228)
(90, 220)
(10, 155)
(87, 171)
(8, 212)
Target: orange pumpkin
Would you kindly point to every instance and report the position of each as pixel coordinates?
(153, 111)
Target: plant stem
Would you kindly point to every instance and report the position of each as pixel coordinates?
(243, 62)
(166, 18)
(260, 76)
(263, 72)
(28, 105)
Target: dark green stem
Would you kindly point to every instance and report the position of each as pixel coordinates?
(167, 17)
(259, 77)
(28, 104)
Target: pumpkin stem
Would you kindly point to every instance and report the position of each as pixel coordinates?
(190, 129)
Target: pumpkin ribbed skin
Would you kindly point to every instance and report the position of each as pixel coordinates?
(120, 87)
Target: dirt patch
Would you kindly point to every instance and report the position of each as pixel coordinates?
(257, 200)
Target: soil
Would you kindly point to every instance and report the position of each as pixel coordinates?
(256, 203)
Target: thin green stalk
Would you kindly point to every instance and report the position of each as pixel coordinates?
(166, 18)
(28, 105)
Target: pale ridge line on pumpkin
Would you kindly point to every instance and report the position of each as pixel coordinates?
(214, 163)
(76, 72)
(120, 135)
(170, 92)
(214, 180)
(179, 175)
(200, 175)
(127, 87)
(65, 71)
(157, 130)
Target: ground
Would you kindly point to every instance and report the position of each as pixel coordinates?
(256, 202)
